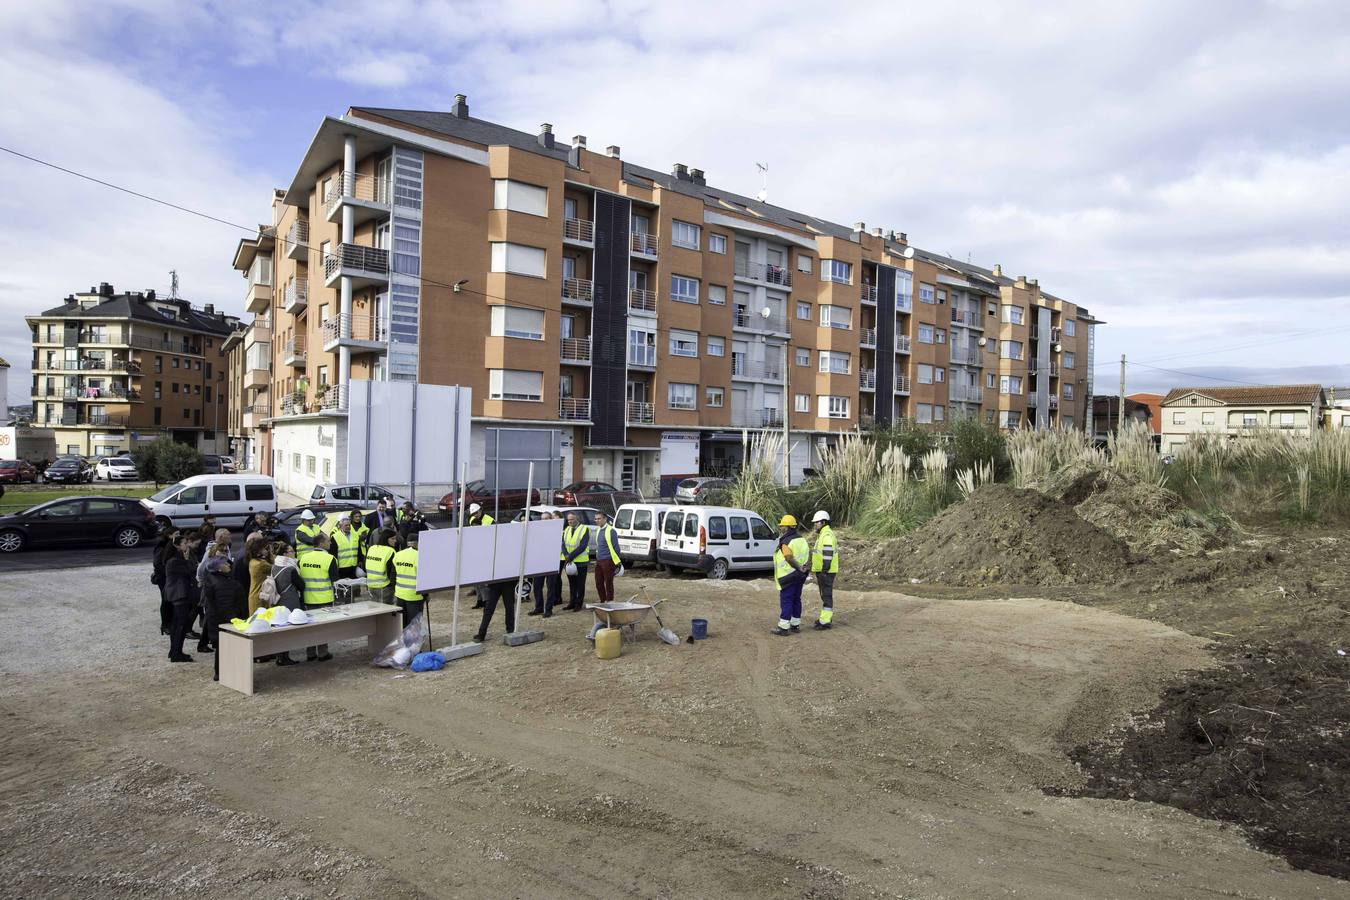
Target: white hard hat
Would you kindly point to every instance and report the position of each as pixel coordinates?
(307, 515)
(258, 625)
(474, 507)
(403, 656)
(299, 617)
(821, 516)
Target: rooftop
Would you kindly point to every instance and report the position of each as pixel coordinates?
(1256, 395)
(102, 302)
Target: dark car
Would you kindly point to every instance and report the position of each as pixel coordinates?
(217, 465)
(17, 471)
(289, 519)
(604, 497)
(68, 470)
(84, 520)
(503, 499)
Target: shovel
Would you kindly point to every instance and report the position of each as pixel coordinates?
(664, 633)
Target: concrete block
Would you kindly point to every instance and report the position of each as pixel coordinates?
(459, 651)
(517, 638)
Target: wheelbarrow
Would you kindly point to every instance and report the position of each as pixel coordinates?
(627, 614)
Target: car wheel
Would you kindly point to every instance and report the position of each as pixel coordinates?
(128, 537)
(11, 541)
(719, 570)
(162, 522)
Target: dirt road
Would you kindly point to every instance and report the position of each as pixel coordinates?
(902, 754)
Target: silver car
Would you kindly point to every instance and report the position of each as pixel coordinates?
(700, 490)
(354, 493)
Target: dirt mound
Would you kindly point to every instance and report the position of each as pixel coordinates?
(1004, 534)
(1148, 517)
(1263, 742)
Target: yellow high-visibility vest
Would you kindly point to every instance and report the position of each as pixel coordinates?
(377, 565)
(348, 548)
(572, 538)
(825, 541)
(782, 568)
(314, 572)
(405, 575)
(304, 538)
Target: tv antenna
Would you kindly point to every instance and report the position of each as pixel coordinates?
(763, 195)
(173, 284)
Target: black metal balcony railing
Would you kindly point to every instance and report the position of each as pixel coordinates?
(769, 274)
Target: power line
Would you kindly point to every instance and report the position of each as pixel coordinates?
(1194, 375)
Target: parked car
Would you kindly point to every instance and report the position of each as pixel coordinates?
(115, 468)
(717, 540)
(217, 465)
(230, 498)
(326, 515)
(17, 471)
(353, 494)
(700, 490)
(598, 494)
(68, 470)
(83, 520)
(504, 499)
(585, 515)
(638, 527)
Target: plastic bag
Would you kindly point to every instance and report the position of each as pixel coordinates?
(267, 594)
(429, 661)
(399, 652)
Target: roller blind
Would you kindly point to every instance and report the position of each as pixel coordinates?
(517, 259)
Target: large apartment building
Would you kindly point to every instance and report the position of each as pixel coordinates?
(113, 369)
(650, 318)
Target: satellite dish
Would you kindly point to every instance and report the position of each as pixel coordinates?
(765, 312)
(909, 253)
(983, 341)
(1058, 347)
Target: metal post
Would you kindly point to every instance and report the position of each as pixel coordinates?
(524, 542)
(459, 553)
(1120, 412)
(787, 438)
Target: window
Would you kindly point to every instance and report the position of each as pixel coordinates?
(174, 360)
(942, 297)
(717, 294)
(835, 316)
(174, 387)
(990, 380)
(1011, 314)
(310, 465)
(295, 462)
(1068, 360)
(159, 364)
(803, 310)
(717, 243)
(221, 492)
(717, 346)
(258, 492)
(1068, 392)
(717, 528)
(924, 374)
(1010, 349)
(159, 389)
(941, 335)
(517, 322)
(682, 396)
(567, 325)
(683, 289)
(925, 334)
(641, 347)
(159, 415)
(1070, 327)
(926, 294)
(836, 270)
(521, 197)
(834, 362)
(208, 393)
(1179, 417)
(327, 470)
(684, 234)
(923, 413)
(1205, 418)
(801, 403)
(1286, 420)
(904, 290)
(1249, 420)
(208, 366)
(683, 343)
(804, 264)
(197, 389)
(515, 384)
(1010, 384)
(939, 413)
(740, 529)
(713, 397)
(803, 356)
(761, 530)
(518, 259)
(565, 385)
(832, 407)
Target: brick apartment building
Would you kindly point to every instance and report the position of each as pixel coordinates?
(648, 317)
(111, 370)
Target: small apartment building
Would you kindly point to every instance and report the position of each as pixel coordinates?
(112, 370)
(1295, 408)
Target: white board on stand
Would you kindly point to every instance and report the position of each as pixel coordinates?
(490, 553)
(541, 554)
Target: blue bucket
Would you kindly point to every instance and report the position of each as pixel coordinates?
(698, 629)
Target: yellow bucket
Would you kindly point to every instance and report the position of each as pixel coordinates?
(608, 643)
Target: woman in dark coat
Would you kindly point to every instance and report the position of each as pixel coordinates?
(180, 587)
(223, 599)
(164, 548)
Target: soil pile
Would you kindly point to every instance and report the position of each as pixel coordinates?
(1002, 534)
(1263, 742)
(1148, 517)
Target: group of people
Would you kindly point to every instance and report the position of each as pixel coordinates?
(796, 563)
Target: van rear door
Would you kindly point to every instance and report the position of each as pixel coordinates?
(670, 532)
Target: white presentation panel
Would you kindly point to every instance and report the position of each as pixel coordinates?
(541, 554)
(490, 553)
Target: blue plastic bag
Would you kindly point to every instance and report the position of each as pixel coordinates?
(429, 661)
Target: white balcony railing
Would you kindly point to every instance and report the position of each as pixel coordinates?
(965, 393)
(574, 408)
(867, 337)
(582, 230)
(575, 350)
(760, 370)
(297, 296)
(578, 290)
(334, 398)
(743, 318)
(965, 356)
(640, 413)
(968, 318)
(902, 384)
(902, 343)
(869, 293)
(642, 301)
(354, 328)
(297, 240)
(867, 379)
(769, 274)
(643, 243)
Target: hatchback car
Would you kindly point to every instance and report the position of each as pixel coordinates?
(597, 494)
(68, 470)
(17, 471)
(700, 490)
(217, 465)
(115, 468)
(85, 520)
(503, 499)
(357, 494)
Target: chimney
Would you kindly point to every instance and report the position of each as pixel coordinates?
(998, 270)
(877, 231)
(859, 227)
(574, 155)
(696, 176)
(546, 136)
(1033, 282)
(1021, 281)
(612, 151)
(902, 238)
(579, 140)
(210, 309)
(150, 294)
(105, 289)
(680, 171)
(460, 108)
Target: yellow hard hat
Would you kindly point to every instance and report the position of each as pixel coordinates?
(787, 522)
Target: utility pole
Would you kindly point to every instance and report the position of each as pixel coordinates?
(787, 439)
(1120, 412)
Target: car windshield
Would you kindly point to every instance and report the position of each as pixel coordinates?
(121, 461)
(9, 464)
(64, 464)
(166, 493)
(689, 483)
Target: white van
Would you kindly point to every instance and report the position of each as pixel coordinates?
(638, 528)
(230, 498)
(716, 539)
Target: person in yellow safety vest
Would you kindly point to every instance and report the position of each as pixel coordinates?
(347, 548)
(405, 582)
(305, 533)
(576, 553)
(477, 516)
(379, 576)
(318, 569)
(791, 562)
(824, 566)
(362, 536)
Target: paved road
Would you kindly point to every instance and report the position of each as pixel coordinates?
(58, 558)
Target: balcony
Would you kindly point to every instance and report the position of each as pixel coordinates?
(579, 231)
(257, 378)
(867, 380)
(574, 409)
(1032, 399)
(965, 356)
(258, 296)
(1054, 402)
(99, 337)
(578, 291)
(867, 337)
(643, 244)
(772, 323)
(904, 304)
(869, 294)
(296, 297)
(965, 393)
(638, 413)
(764, 273)
(255, 413)
(902, 384)
(756, 370)
(642, 302)
(293, 405)
(365, 266)
(148, 343)
(1054, 370)
(293, 353)
(575, 351)
(359, 332)
(641, 357)
(335, 398)
(366, 196)
(967, 319)
(104, 420)
(113, 392)
(1034, 331)
(297, 241)
(902, 343)
(90, 365)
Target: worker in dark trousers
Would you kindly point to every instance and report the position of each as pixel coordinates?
(824, 567)
(166, 546)
(404, 567)
(492, 593)
(791, 562)
(479, 516)
(576, 555)
(547, 588)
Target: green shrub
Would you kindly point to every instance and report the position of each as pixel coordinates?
(972, 442)
(166, 460)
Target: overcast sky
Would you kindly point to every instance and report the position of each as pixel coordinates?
(1181, 169)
